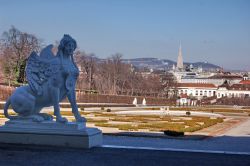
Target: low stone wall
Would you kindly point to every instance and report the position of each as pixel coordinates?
(97, 98)
(6, 91)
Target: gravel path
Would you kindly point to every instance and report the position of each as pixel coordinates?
(171, 113)
(25, 156)
(241, 130)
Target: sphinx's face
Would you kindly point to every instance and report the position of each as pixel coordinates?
(69, 48)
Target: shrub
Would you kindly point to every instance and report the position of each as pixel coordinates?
(173, 133)
(82, 108)
(108, 110)
(188, 113)
(102, 108)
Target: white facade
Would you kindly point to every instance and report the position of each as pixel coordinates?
(224, 92)
(189, 76)
(183, 101)
(216, 82)
(198, 91)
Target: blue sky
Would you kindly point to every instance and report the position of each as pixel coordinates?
(217, 31)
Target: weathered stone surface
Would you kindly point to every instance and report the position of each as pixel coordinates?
(50, 133)
(51, 79)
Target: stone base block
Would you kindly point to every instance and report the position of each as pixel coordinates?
(50, 133)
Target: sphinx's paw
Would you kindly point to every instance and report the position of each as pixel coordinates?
(37, 118)
(80, 119)
(61, 120)
(46, 116)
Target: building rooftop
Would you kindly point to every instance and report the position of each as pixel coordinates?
(245, 75)
(196, 85)
(240, 87)
(245, 82)
(224, 76)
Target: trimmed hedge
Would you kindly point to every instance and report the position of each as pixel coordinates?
(173, 133)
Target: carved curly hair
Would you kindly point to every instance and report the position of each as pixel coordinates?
(65, 40)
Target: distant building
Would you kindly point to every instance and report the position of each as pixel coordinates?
(216, 79)
(245, 82)
(180, 60)
(185, 74)
(184, 100)
(235, 90)
(195, 83)
(197, 90)
(245, 76)
(219, 79)
(201, 90)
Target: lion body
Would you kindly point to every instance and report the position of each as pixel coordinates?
(51, 79)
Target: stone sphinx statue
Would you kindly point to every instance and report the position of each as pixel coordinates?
(51, 79)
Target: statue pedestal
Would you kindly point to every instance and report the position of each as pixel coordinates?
(50, 133)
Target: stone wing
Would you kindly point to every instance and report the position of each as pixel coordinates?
(47, 53)
(38, 71)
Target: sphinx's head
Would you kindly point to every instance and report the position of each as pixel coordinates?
(67, 45)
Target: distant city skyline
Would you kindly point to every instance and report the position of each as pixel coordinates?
(216, 31)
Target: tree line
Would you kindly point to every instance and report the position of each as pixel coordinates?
(104, 76)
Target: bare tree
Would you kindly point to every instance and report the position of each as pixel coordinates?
(109, 70)
(124, 78)
(169, 85)
(7, 63)
(105, 72)
(87, 66)
(110, 76)
(116, 68)
(16, 47)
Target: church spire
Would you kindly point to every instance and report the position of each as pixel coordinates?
(180, 59)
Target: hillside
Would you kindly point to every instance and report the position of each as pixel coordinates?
(161, 64)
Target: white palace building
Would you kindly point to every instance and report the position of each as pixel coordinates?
(197, 85)
(200, 91)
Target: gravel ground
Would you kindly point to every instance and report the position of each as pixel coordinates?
(25, 156)
(223, 143)
(243, 130)
(168, 113)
